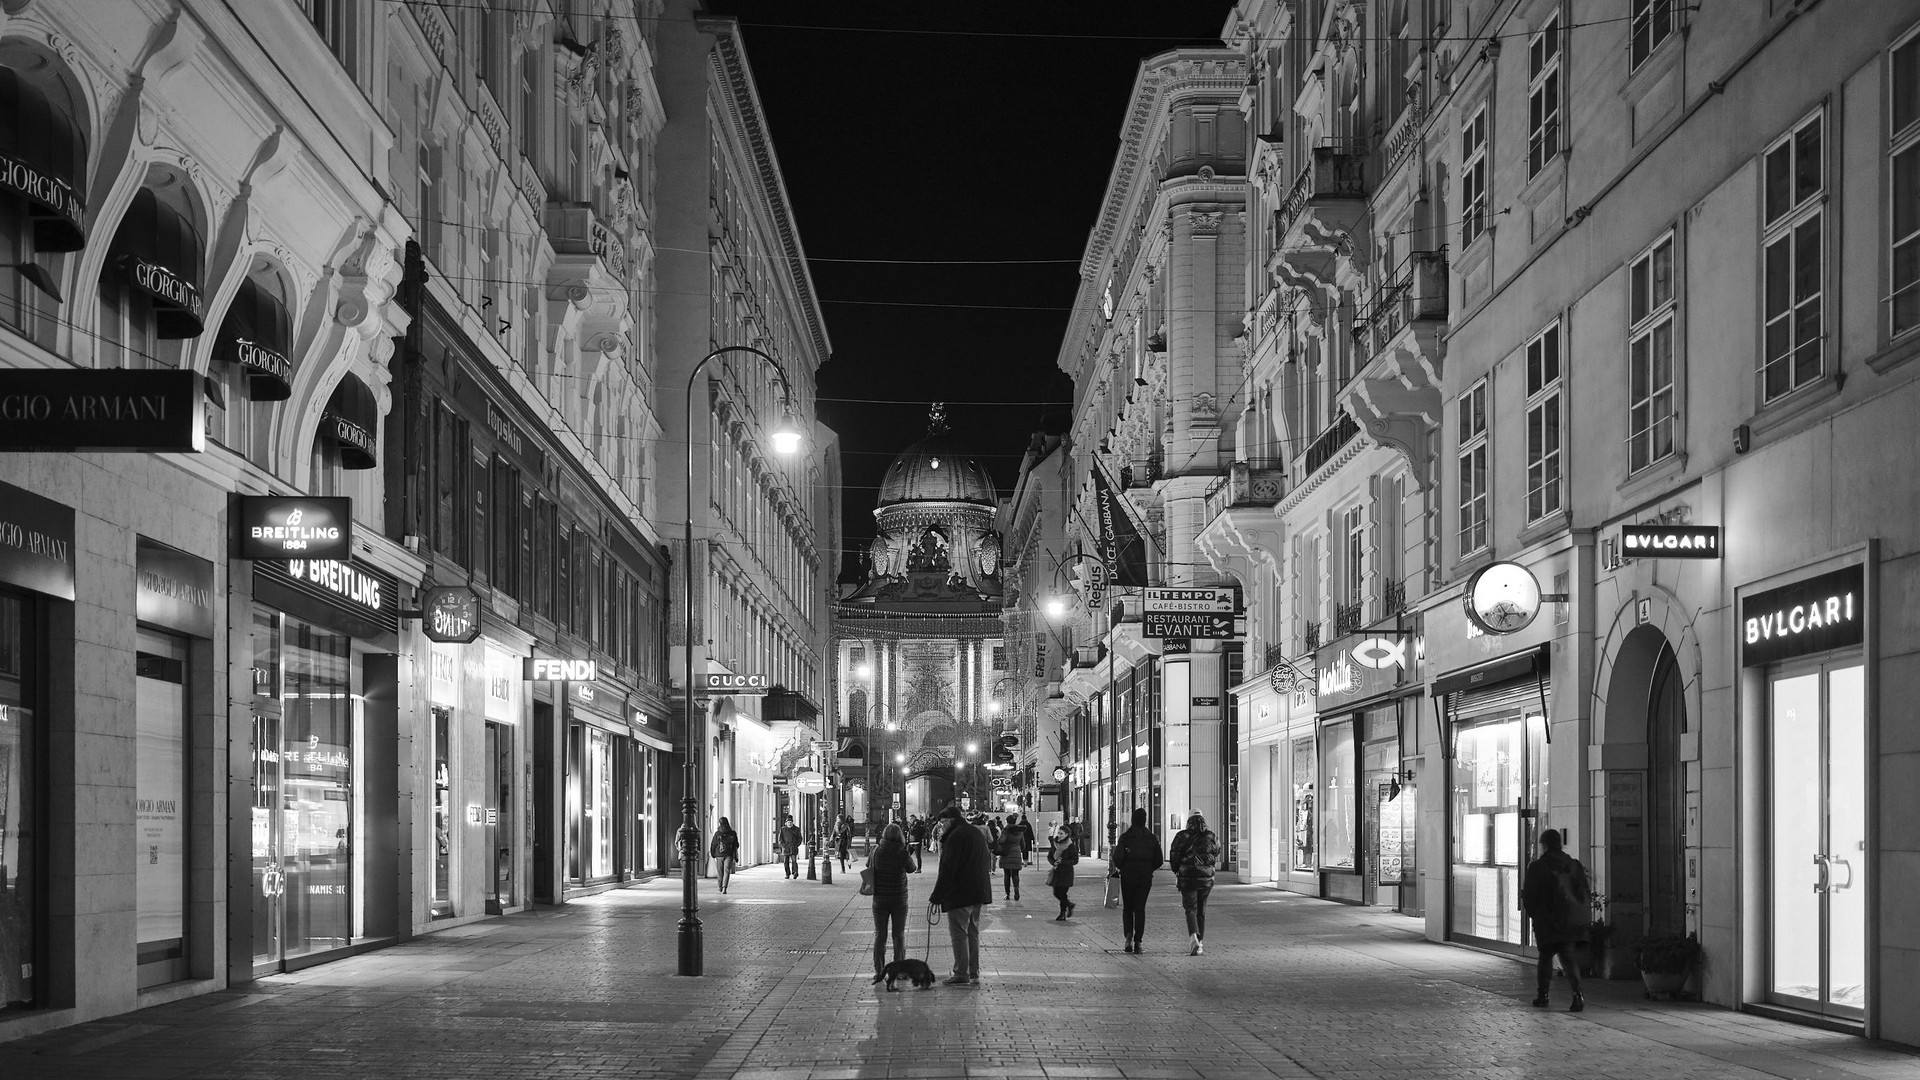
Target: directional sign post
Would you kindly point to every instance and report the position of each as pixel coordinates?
(1189, 613)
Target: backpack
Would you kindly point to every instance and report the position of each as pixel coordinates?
(1570, 899)
(1205, 851)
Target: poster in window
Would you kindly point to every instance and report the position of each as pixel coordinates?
(159, 798)
(1339, 813)
(1304, 856)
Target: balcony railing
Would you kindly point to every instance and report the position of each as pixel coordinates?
(783, 704)
(1311, 638)
(1348, 618)
(1140, 475)
(1336, 171)
(1393, 598)
(1275, 654)
(1416, 290)
(1329, 443)
(1245, 485)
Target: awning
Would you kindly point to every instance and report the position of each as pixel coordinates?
(1519, 665)
(161, 252)
(43, 159)
(352, 421)
(254, 338)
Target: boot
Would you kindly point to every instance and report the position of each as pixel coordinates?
(1579, 1002)
(1062, 917)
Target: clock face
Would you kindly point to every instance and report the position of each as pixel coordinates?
(1503, 598)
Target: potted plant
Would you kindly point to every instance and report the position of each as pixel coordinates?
(1598, 933)
(1665, 961)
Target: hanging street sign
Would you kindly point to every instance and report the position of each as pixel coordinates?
(450, 614)
(1211, 601)
(1186, 624)
(809, 782)
(1670, 541)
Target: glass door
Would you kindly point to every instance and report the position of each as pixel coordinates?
(1818, 838)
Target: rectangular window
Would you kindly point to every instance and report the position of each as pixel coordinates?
(1650, 426)
(1650, 23)
(1903, 218)
(1543, 96)
(1473, 177)
(1353, 556)
(1793, 183)
(1543, 424)
(330, 19)
(505, 522)
(1473, 469)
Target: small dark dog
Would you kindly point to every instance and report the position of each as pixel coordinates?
(914, 971)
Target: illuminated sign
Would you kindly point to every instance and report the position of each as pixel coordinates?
(555, 669)
(292, 527)
(450, 613)
(1502, 598)
(1820, 613)
(154, 411)
(721, 682)
(1670, 541)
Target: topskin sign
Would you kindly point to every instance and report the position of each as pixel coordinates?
(1670, 541)
(112, 409)
(1820, 613)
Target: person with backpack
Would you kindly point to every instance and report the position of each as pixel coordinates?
(725, 851)
(1135, 857)
(1556, 897)
(1194, 853)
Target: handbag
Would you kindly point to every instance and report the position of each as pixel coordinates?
(1113, 890)
(866, 881)
(1049, 877)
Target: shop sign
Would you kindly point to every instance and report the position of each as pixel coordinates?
(500, 682)
(51, 192)
(721, 682)
(1216, 601)
(1176, 646)
(292, 527)
(443, 679)
(1670, 541)
(1186, 624)
(1362, 665)
(172, 589)
(809, 782)
(36, 542)
(1820, 613)
(1502, 598)
(450, 613)
(558, 669)
(161, 283)
(347, 585)
(146, 411)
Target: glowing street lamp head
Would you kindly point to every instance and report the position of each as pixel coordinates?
(903, 770)
(973, 748)
(1056, 607)
(899, 759)
(786, 435)
(864, 671)
(891, 726)
(993, 706)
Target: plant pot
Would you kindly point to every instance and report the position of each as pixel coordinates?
(1663, 983)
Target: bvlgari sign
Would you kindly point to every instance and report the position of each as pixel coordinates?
(1820, 613)
(1670, 541)
(102, 409)
(292, 527)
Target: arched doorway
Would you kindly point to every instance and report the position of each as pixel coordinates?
(1646, 789)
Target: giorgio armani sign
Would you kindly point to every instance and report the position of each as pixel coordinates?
(96, 409)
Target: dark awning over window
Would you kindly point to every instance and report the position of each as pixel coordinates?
(352, 421)
(161, 251)
(43, 159)
(255, 338)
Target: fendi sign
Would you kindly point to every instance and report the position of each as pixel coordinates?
(1820, 613)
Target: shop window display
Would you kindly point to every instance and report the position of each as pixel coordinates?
(160, 722)
(19, 797)
(1498, 772)
(1337, 793)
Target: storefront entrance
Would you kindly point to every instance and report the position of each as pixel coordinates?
(1499, 785)
(1817, 830)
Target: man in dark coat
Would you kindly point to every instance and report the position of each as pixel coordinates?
(964, 887)
(790, 841)
(1555, 895)
(1135, 857)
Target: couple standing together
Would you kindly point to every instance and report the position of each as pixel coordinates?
(964, 886)
(1194, 853)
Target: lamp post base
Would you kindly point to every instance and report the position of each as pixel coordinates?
(692, 942)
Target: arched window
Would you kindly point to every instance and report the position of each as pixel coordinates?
(251, 368)
(347, 442)
(150, 284)
(43, 171)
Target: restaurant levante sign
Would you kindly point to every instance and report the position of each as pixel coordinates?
(96, 409)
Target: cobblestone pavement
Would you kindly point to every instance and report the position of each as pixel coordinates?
(1289, 987)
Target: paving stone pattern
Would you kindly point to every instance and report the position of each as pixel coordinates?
(1289, 987)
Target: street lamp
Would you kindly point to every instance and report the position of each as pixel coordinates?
(786, 440)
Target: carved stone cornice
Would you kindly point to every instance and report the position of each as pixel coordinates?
(1398, 401)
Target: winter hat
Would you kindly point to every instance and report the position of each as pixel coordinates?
(1196, 820)
(950, 812)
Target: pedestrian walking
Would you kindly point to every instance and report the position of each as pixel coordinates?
(843, 838)
(1011, 859)
(1556, 896)
(1194, 853)
(890, 863)
(1062, 854)
(725, 850)
(1026, 838)
(965, 886)
(1136, 855)
(790, 840)
(993, 833)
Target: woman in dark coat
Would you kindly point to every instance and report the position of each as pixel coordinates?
(725, 850)
(1136, 855)
(890, 862)
(1194, 853)
(1063, 854)
(1008, 848)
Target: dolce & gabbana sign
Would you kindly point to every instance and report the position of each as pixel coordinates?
(1820, 613)
(289, 527)
(102, 409)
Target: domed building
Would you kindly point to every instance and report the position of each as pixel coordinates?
(921, 661)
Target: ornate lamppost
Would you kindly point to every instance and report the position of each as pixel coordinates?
(785, 438)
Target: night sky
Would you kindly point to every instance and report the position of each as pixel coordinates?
(912, 134)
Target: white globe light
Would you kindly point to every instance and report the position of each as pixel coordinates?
(1056, 607)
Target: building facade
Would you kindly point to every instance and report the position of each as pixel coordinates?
(1615, 321)
(1154, 349)
(333, 594)
(1039, 594)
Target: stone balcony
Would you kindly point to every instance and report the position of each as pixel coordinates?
(1331, 187)
(1397, 395)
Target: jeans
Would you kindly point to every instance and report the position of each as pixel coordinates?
(963, 926)
(1569, 963)
(1194, 901)
(790, 859)
(892, 914)
(723, 869)
(1133, 905)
